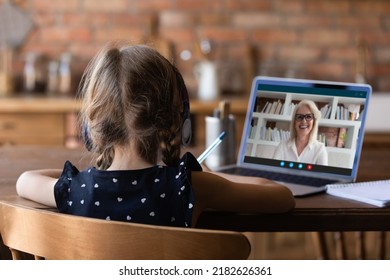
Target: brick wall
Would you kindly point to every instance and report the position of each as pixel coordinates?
(302, 38)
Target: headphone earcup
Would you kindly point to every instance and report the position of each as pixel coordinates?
(86, 135)
(186, 132)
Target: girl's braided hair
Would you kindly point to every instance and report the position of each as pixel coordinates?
(132, 93)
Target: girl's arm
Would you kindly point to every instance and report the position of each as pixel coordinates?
(239, 194)
(38, 185)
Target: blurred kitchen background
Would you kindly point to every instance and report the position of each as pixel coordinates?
(342, 40)
(46, 44)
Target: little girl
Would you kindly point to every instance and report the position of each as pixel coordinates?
(135, 115)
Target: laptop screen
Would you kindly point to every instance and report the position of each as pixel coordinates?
(336, 130)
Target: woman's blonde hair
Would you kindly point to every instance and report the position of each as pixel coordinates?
(131, 93)
(317, 116)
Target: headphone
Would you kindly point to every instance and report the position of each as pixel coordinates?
(186, 129)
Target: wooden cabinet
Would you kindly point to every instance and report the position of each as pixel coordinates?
(32, 128)
(38, 121)
(53, 121)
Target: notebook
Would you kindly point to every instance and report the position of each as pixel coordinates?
(343, 108)
(373, 192)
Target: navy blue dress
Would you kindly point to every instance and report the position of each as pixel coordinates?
(158, 195)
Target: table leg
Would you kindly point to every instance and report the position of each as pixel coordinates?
(319, 241)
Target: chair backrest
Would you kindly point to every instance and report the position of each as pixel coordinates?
(52, 235)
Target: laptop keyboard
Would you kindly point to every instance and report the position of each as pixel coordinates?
(289, 178)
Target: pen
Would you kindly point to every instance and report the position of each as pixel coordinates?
(211, 148)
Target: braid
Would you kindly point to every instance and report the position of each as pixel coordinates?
(171, 121)
(170, 146)
(105, 158)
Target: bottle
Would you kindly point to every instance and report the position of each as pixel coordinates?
(29, 72)
(5, 71)
(52, 77)
(64, 85)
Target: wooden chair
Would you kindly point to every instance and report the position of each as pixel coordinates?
(51, 235)
(334, 245)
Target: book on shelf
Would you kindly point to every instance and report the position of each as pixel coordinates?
(325, 111)
(273, 134)
(372, 192)
(291, 108)
(278, 108)
(271, 107)
(350, 113)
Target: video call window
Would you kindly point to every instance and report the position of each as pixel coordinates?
(338, 127)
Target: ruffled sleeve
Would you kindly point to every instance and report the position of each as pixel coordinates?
(188, 163)
(191, 162)
(62, 187)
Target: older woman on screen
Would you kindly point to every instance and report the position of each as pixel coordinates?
(303, 146)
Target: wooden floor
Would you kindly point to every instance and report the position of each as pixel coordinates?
(295, 246)
(300, 246)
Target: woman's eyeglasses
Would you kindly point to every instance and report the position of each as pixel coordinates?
(307, 117)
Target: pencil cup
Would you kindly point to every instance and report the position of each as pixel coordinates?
(224, 154)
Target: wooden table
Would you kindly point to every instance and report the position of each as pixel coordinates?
(320, 212)
(317, 213)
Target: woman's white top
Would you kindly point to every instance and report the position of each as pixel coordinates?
(314, 153)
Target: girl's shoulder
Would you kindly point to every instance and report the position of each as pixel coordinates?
(186, 164)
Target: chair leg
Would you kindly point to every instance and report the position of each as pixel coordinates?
(341, 251)
(360, 245)
(319, 241)
(382, 242)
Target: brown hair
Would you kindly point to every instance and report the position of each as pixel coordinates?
(131, 93)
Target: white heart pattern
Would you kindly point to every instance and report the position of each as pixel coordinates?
(114, 180)
(143, 200)
(108, 218)
(120, 199)
(82, 201)
(173, 219)
(162, 195)
(182, 163)
(151, 214)
(128, 218)
(97, 203)
(96, 186)
(134, 182)
(70, 203)
(183, 188)
(156, 180)
(83, 185)
(178, 175)
(190, 206)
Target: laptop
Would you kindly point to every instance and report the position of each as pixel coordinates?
(272, 100)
